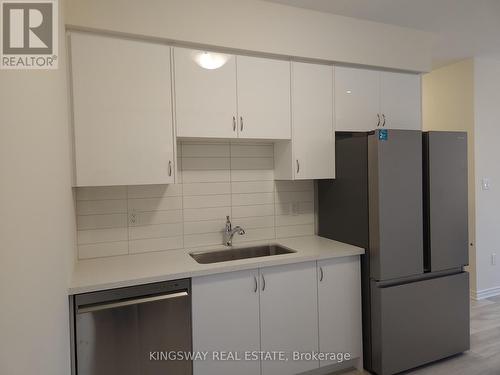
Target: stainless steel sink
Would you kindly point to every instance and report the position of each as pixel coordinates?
(206, 257)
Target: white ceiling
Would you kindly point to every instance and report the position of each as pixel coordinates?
(463, 28)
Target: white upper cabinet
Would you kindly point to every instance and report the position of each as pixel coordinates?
(226, 318)
(339, 301)
(357, 99)
(122, 111)
(205, 94)
(312, 119)
(263, 98)
(227, 96)
(311, 154)
(400, 100)
(289, 316)
(368, 99)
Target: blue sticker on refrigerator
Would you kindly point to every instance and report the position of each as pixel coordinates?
(383, 135)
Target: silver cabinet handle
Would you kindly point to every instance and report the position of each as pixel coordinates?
(321, 274)
(378, 122)
(234, 123)
(241, 123)
(170, 168)
(298, 165)
(256, 284)
(263, 282)
(137, 301)
(383, 116)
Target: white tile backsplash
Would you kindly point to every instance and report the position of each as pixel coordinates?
(198, 214)
(112, 206)
(102, 235)
(103, 249)
(216, 179)
(155, 244)
(100, 193)
(252, 187)
(157, 217)
(206, 176)
(255, 163)
(251, 199)
(203, 201)
(252, 211)
(155, 204)
(239, 150)
(154, 191)
(155, 231)
(101, 221)
(206, 188)
(205, 164)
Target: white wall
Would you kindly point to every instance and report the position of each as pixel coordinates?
(487, 158)
(37, 228)
(447, 105)
(254, 25)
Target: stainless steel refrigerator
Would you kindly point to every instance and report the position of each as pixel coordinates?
(402, 195)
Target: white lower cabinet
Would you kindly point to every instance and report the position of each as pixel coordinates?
(226, 319)
(339, 301)
(289, 316)
(276, 310)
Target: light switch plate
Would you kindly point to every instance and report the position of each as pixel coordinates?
(485, 183)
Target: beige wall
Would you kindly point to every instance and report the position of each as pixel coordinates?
(254, 25)
(37, 228)
(448, 104)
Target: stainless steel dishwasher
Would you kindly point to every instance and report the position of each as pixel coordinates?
(139, 330)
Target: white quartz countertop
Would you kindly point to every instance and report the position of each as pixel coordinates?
(128, 270)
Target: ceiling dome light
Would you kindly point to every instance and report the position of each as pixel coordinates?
(210, 60)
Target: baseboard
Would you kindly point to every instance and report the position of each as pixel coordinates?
(485, 293)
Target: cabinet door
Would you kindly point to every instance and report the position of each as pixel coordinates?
(312, 119)
(122, 111)
(357, 99)
(339, 301)
(205, 99)
(263, 98)
(289, 316)
(226, 318)
(401, 100)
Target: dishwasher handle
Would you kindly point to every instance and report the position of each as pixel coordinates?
(135, 301)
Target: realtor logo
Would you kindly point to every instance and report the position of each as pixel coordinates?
(29, 34)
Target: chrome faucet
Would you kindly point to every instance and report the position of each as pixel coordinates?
(229, 232)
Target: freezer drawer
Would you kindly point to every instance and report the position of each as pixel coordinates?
(419, 322)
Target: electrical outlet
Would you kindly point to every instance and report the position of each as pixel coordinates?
(493, 259)
(132, 218)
